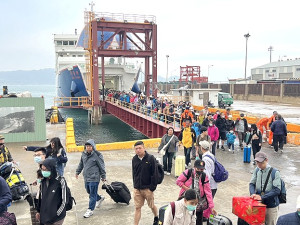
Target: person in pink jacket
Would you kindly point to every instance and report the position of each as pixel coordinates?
(213, 132)
(185, 182)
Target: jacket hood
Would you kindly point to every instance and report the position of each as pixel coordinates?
(92, 143)
(50, 164)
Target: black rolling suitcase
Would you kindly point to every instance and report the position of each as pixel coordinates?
(118, 191)
(219, 220)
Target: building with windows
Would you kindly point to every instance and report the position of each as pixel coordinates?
(287, 69)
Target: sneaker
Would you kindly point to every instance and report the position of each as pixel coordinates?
(168, 174)
(232, 151)
(229, 149)
(223, 148)
(281, 151)
(186, 166)
(218, 146)
(165, 172)
(190, 164)
(98, 203)
(254, 163)
(88, 213)
(275, 151)
(193, 158)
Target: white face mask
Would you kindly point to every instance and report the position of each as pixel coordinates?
(210, 124)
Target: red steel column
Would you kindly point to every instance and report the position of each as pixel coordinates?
(147, 74)
(154, 60)
(103, 77)
(95, 65)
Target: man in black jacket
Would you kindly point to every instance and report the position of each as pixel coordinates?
(279, 132)
(145, 175)
(52, 199)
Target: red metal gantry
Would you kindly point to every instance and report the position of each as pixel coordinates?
(191, 74)
(129, 28)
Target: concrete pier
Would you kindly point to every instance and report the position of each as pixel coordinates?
(118, 167)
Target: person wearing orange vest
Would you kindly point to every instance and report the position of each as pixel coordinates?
(186, 115)
(270, 121)
(261, 124)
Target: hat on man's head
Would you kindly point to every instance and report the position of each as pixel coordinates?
(203, 129)
(87, 143)
(199, 164)
(2, 137)
(242, 114)
(260, 156)
(204, 144)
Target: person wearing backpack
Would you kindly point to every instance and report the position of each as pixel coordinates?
(182, 211)
(52, 198)
(213, 132)
(198, 180)
(145, 179)
(92, 164)
(266, 188)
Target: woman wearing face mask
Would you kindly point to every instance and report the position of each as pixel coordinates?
(213, 132)
(52, 197)
(196, 179)
(182, 212)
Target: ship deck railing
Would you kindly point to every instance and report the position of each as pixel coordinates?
(126, 18)
(72, 102)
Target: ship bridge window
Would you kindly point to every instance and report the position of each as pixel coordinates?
(273, 70)
(65, 42)
(71, 42)
(80, 55)
(298, 69)
(58, 42)
(73, 55)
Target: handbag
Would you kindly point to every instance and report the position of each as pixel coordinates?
(202, 201)
(163, 150)
(7, 218)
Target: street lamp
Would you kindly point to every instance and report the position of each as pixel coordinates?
(167, 73)
(270, 49)
(246, 36)
(208, 70)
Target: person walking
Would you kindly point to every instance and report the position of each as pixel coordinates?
(279, 132)
(183, 209)
(270, 122)
(52, 195)
(200, 185)
(92, 164)
(213, 132)
(230, 140)
(202, 137)
(255, 139)
(262, 125)
(229, 123)
(168, 144)
(145, 176)
(241, 126)
(5, 155)
(187, 137)
(209, 160)
(265, 190)
(291, 218)
(221, 125)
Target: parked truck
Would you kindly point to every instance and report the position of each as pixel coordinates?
(224, 99)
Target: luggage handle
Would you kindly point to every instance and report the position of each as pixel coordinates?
(108, 186)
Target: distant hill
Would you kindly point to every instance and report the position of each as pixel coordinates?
(27, 77)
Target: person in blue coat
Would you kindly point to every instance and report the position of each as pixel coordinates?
(5, 195)
(291, 218)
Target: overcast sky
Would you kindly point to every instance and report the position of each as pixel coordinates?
(194, 32)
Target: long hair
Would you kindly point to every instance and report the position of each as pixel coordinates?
(57, 145)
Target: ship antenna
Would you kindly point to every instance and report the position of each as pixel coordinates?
(92, 4)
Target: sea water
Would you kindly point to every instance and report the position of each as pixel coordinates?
(110, 130)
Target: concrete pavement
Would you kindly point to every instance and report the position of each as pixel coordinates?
(118, 166)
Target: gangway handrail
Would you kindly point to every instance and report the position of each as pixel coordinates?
(165, 118)
(71, 101)
(126, 18)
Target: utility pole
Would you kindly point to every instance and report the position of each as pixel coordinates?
(246, 36)
(270, 49)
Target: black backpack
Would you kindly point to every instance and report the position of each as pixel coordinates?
(69, 198)
(160, 169)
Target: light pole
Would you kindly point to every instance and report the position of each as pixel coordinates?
(270, 49)
(208, 70)
(246, 36)
(167, 73)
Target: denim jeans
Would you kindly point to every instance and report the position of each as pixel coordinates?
(92, 190)
(187, 154)
(167, 160)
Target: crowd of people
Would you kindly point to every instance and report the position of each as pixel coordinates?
(201, 135)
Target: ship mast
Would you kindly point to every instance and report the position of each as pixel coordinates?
(92, 4)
